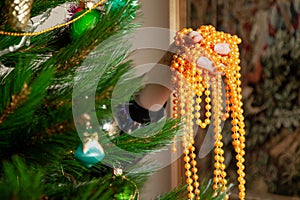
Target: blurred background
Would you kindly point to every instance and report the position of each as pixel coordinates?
(270, 61)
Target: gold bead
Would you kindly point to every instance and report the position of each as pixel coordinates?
(189, 181)
(242, 174)
(221, 151)
(217, 172)
(226, 197)
(241, 187)
(190, 188)
(242, 152)
(207, 121)
(186, 158)
(238, 156)
(239, 164)
(193, 163)
(242, 131)
(234, 122)
(208, 114)
(219, 144)
(241, 179)
(217, 157)
(198, 100)
(192, 148)
(215, 187)
(242, 124)
(207, 100)
(234, 114)
(187, 166)
(222, 166)
(197, 114)
(197, 191)
(195, 177)
(188, 173)
(242, 195)
(222, 159)
(236, 143)
(175, 108)
(197, 107)
(191, 196)
(186, 151)
(203, 125)
(224, 181)
(217, 165)
(194, 170)
(217, 150)
(235, 136)
(237, 149)
(239, 171)
(242, 160)
(216, 180)
(193, 155)
(242, 145)
(223, 174)
(227, 115)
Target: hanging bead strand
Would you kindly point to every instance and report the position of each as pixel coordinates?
(190, 115)
(220, 174)
(185, 138)
(240, 143)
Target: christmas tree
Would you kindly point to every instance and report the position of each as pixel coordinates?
(59, 137)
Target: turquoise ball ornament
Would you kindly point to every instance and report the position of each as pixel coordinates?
(115, 5)
(122, 8)
(85, 23)
(93, 155)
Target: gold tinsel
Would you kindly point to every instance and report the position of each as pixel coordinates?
(16, 101)
(18, 13)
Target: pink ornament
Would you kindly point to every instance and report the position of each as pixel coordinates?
(206, 63)
(222, 48)
(195, 36)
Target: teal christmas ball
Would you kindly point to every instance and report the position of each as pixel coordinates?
(85, 23)
(114, 5)
(93, 155)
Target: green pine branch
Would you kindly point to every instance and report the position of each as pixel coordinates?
(206, 192)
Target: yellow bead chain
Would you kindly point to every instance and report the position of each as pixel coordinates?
(17, 34)
(238, 131)
(220, 174)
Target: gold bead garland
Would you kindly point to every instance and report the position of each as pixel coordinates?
(18, 34)
(203, 58)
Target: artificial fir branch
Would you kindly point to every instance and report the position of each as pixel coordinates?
(41, 129)
(16, 100)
